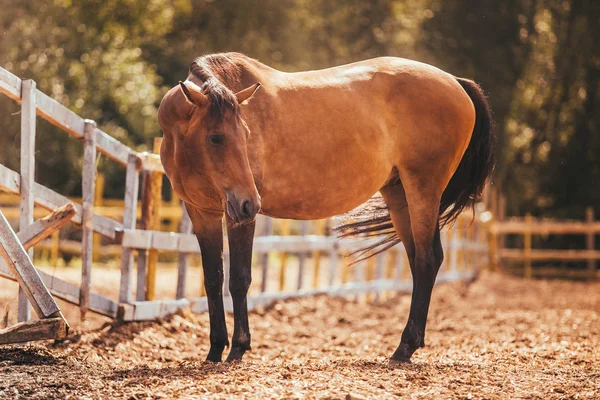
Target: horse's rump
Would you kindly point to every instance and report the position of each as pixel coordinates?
(463, 190)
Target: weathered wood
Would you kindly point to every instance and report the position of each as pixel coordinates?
(284, 231)
(142, 259)
(50, 328)
(10, 85)
(44, 227)
(129, 220)
(545, 227)
(25, 273)
(264, 262)
(590, 241)
(527, 246)
(151, 162)
(379, 271)
(69, 292)
(88, 189)
(185, 227)
(350, 289)
(549, 255)
(302, 256)
(112, 148)
(155, 189)
(28, 125)
(320, 230)
(50, 200)
(98, 200)
(148, 310)
(67, 120)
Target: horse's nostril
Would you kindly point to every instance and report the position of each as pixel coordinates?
(247, 208)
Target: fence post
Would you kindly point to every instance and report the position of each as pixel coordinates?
(28, 126)
(302, 256)
(155, 180)
(87, 198)
(98, 197)
(142, 259)
(129, 218)
(453, 250)
(267, 231)
(285, 231)
(320, 230)
(185, 227)
(379, 274)
(527, 246)
(590, 242)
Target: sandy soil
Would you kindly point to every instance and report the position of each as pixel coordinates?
(500, 337)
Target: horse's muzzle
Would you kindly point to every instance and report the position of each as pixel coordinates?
(242, 210)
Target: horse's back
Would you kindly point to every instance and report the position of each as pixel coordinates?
(331, 138)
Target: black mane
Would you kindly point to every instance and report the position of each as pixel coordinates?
(214, 70)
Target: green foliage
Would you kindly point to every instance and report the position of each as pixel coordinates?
(112, 60)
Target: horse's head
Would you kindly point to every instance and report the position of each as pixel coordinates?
(214, 138)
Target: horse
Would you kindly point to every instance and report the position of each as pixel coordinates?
(242, 138)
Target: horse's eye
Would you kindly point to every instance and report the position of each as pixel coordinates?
(217, 138)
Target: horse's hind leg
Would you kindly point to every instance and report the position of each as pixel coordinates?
(415, 213)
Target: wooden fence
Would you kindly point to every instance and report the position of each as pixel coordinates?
(466, 247)
(529, 227)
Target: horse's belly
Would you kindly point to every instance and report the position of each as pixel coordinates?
(321, 190)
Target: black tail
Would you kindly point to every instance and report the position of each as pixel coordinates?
(465, 186)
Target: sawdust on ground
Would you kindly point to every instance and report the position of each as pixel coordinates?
(500, 337)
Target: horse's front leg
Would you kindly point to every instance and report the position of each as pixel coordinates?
(209, 231)
(240, 276)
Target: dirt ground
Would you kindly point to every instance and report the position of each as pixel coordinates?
(500, 337)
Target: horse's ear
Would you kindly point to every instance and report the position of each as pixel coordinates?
(193, 93)
(245, 94)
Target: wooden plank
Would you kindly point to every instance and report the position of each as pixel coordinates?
(527, 247)
(44, 227)
(178, 242)
(155, 189)
(264, 261)
(10, 85)
(142, 259)
(149, 310)
(112, 148)
(28, 125)
(59, 115)
(304, 225)
(88, 189)
(50, 200)
(25, 273)
(151, 162)
(379, 272)
(320, 228)
(544, 227)
(549, 255)
(185, 227)
(590, 241)
(284, 230)
(69, 292)
(334, 261)
(51, 328)
(129, 220)
(67, 120)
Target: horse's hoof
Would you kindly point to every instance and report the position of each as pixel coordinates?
(235, 355)
(393, 363)
(214, 356)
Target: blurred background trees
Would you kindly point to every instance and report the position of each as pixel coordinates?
(112, 60)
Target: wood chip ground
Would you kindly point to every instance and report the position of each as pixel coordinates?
(500, 337)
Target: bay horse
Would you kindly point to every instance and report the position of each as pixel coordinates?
(241, 138)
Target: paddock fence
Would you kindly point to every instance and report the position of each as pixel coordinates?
(528, 227)
(322, 265)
